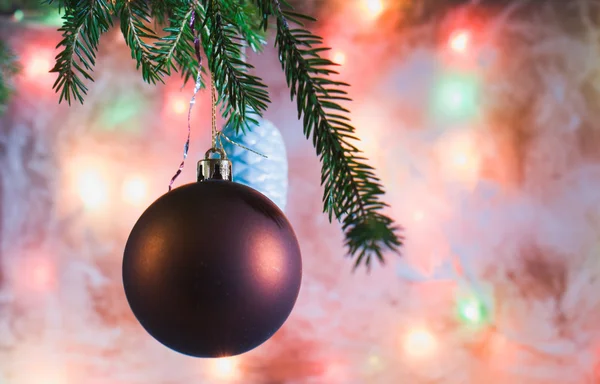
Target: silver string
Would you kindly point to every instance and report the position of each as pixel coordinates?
(197, 87)
(221, 134)
(186, 146)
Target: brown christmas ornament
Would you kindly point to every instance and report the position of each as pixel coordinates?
(212, 268)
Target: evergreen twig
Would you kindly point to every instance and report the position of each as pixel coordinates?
(175, 50)
(352, 192)
(240, 93)
(8, 69)
(84, 22)
(135, 14)
(245, 19)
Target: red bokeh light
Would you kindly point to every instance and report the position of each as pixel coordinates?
(35, 76)
(36, 273)
(459, 41)
(42, 275)
(37, 63)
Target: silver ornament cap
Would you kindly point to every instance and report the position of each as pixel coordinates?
(214, 169)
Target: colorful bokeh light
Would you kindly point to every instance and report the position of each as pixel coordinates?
(373, 8)
(472, 311)
(135, 190)
(339, 57)
(460, 156)
(92, 189)
(225, 369)
(456, 97)
(178, 103)
(38, 63)
(419, 343)
(18, 16)
(53, 18)
(375, 363)
(459, 41)
(418, 215)
(40, 273)
(123, 113)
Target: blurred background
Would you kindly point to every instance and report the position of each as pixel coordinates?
(482, 119)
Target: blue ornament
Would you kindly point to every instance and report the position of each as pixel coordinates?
(266, 175)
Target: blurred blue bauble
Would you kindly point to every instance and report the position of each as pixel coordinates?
(268, 175)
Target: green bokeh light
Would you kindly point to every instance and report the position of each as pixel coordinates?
(456, 97)
(54, 18)
(49, 16)
(123, 113)
(472, 311)
(18, 15)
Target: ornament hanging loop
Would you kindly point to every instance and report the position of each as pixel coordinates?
(214, 169)
(216, 151)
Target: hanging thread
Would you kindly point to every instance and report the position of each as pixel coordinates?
(197, 87)
(213, 98)
(218, 136)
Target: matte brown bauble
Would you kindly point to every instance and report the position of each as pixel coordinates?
(212, 269)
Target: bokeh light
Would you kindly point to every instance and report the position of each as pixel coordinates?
(456, 97)
(134, 190)
(459, 41)
(37, 63)
(18, 16)
(37, 273)
(418, 215)
(123, 113)
(471, 311)
(42, 274)
(375, 363)
(225, 369)
(37, 364)
(335, 372)
(54, 18)
(420, 342)
(92, 189)
(373, 8)
(339, 57)
(178, 103)
(459, 156)
(34, 274)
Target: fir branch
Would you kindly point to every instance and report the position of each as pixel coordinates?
(175, 51)
(8, 69)
(245, 18)
(84, 22)
(135, 14)
(351, 190)
(160, 11)
(240, 93)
